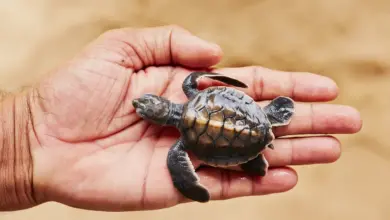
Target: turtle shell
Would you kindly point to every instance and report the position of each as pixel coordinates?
(223, 126)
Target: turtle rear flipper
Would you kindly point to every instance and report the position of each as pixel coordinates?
(257, 166)
(190, 83)
(183, 174)
(280, 111)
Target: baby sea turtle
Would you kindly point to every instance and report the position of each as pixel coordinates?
(222, 126)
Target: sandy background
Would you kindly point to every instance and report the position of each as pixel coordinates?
(344, 39)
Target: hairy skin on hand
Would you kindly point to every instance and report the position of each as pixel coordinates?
(16, 169)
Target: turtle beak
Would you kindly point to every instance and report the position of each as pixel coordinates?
(139, 106)
(135, 103)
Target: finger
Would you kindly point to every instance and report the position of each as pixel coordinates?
(228, 184)
(162, 46)
(320, 118)
(266, 84)
(303, 150)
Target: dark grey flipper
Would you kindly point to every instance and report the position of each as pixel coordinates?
(183, 174)
(190, 83)
(280, 111)
(257, 166)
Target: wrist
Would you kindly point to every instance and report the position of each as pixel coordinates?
(16, 170)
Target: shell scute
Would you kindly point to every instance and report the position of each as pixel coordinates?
(212, 104)
(229, 112)
(189, 120)
(222, 142)
(238, 143)
(206, 139)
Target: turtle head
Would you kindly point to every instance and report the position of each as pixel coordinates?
(153, 108)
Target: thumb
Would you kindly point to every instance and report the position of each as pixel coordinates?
(164, 45)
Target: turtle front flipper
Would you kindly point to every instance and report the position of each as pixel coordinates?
(257, 166)
(280, 111)
(190, 83)
(183, 174)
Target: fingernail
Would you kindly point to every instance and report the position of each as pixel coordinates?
(282, 174)
(214, 45)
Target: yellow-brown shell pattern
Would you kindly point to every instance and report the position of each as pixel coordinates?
(224, 122)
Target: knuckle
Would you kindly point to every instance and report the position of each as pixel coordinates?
(116, 32)
(258, 82)
(175, 27)
(122, 32)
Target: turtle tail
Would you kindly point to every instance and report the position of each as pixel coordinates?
(280, 111)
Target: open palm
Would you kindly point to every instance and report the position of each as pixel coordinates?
(92, 151)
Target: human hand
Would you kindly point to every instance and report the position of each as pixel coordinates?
(90, 149)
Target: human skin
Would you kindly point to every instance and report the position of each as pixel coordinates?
(75, 138)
